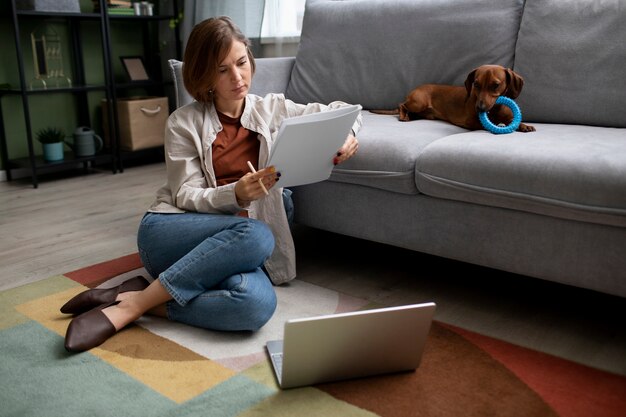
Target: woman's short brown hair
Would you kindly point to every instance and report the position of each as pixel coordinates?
(208, 45)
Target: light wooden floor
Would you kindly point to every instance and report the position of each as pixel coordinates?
(76, 221)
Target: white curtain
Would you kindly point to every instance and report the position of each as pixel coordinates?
(282, 18)
(247, 14)
(282, 23)
(268, 21)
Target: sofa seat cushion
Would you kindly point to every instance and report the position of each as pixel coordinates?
(388, 150)
(565, 171)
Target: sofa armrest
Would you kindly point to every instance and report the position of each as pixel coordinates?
(182, 97)
(272, 75)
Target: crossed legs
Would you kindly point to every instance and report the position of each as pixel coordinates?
(209, 270)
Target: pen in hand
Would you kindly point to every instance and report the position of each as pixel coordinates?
(260, 182)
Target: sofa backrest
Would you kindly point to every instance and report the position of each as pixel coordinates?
(572, 55)
(373, 52)
(272, 75)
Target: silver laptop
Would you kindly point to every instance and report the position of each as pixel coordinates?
(351, 345)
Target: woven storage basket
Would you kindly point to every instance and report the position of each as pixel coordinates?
(141, 121)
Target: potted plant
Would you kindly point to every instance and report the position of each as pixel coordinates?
(52, 140)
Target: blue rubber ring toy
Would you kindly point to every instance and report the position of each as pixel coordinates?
(511, 127)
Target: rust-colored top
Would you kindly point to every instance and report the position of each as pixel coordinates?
(233, 147)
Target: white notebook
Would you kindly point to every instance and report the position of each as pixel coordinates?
(305, 145)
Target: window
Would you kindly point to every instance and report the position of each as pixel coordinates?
(282, 19)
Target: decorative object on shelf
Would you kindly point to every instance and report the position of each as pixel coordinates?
(48, 58)
(122, 11)
(52, 140)
(71, 6)
(143, 8)
(85, 142)
(116, 7)
(126, 8)
(120, 7)
(134, 67)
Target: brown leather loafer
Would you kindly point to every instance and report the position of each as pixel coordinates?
(89, 330)
(94, 297)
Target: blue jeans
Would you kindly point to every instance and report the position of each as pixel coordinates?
(211, 264)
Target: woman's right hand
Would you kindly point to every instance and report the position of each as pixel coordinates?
(248, 187)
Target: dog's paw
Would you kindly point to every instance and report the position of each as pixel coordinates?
(526, 128)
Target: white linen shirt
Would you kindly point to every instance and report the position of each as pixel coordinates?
(191, 184)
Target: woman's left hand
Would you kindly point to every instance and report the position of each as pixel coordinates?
(349, 148)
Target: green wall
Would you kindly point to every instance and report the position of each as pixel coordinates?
(60, 109)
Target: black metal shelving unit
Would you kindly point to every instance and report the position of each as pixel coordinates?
(79, 88)
(153, 62)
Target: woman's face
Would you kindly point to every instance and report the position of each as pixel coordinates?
(234, 76)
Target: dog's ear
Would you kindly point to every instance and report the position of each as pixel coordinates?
(514, 84)
(469, 82)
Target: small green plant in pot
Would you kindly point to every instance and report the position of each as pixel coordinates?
(52, 139)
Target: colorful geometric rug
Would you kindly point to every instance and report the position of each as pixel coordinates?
(159, 368)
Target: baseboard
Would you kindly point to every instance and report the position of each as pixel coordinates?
(16, 174)
(21, 173)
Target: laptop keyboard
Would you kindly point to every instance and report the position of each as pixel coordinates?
(277, 359)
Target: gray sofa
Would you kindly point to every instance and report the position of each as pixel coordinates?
(550, 204)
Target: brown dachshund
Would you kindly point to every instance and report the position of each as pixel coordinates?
(460, 105)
